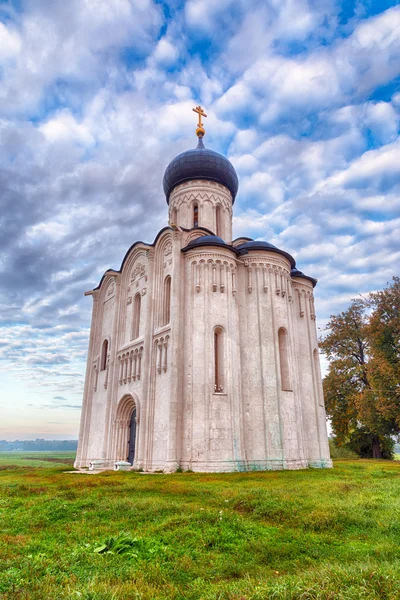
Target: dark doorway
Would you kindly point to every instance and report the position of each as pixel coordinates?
(132, 437)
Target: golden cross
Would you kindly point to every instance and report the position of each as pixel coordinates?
(201, 113)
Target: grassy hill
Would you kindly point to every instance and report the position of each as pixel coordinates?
(329, 534)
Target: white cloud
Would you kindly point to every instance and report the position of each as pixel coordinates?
(275, 84)
(10, 43)
(383, 121)
(165, 53)
(202, 14)
(64, 127)
(372, 165)
(74, 40)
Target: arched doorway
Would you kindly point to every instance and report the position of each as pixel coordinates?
(132, 438)
(125, 429)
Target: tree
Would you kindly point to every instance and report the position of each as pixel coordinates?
(384, 338)
(350, 396)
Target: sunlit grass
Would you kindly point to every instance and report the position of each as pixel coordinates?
(329, 534)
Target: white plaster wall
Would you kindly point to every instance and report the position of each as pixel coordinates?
(107, 299)
(207, 195)
(271, 424)
(253, 423)
(315, 438)
(211, 428)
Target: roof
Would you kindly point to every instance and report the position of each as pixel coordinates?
(200, 163)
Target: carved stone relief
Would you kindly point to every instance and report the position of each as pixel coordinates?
(168, 249)
(138, 271)
(110, 289)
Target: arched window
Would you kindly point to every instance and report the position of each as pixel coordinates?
(218, 360)
(104, 352)
(195, 216)
(174, 216)
(136, 317)
(166, 316)
(284, 359)
(218, 220)
(317, 371)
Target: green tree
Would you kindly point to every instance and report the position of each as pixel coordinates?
(384, 339)
(351, 400)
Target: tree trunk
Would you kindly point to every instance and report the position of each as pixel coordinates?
(376, 448)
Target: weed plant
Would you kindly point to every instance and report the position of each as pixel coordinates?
(311, 534)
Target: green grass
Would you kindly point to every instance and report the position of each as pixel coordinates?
(36, 459)
(313, 534)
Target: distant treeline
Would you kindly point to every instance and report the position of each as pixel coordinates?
(38, 444)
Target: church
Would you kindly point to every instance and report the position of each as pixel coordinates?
(203, 350)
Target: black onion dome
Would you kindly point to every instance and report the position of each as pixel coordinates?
(296, 273)
(266, 246)
(200, 163)
(207, 240)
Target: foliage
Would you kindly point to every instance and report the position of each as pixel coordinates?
(362, 440)
(124, 543)
(310, 534)
(384, 335)
(340, 452)
(362, 385)
(38, 445)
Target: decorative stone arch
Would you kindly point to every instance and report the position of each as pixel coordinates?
(137, 255)
(163, 241)
(108, 286)
(126, 406)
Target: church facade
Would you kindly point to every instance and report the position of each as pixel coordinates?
(203, 351)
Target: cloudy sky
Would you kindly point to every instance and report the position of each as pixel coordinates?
(95, 100)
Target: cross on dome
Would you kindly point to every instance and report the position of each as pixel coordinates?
(200, 131)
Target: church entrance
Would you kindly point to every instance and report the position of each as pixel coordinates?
(132, 437)
(125, 429)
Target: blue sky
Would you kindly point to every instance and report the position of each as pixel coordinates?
(95, 100)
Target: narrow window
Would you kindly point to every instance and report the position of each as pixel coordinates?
(218, 360)
(317, 372)
(136, 317)
(218, 220)
(174, 216)
(167, 301)
(283, 359)
(195, 216)
(104, 352)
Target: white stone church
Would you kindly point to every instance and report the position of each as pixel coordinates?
(203, 351)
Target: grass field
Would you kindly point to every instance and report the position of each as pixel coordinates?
(329, 534)
(36, 459)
